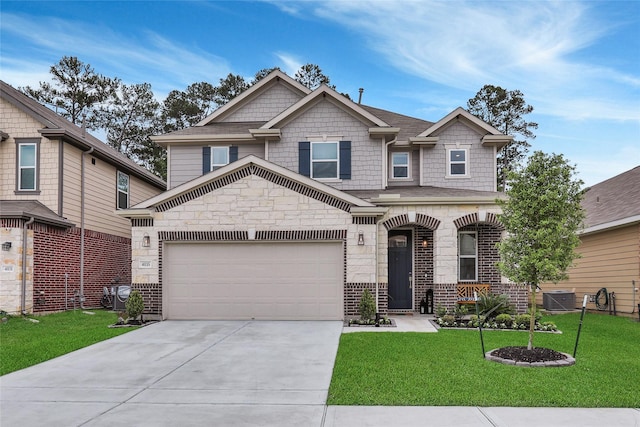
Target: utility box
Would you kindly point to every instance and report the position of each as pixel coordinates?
(559, 300)
(120, 297)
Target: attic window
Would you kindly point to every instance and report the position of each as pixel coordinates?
(457, 162)
(400, 165)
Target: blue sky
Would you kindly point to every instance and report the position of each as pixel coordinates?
(577, 63)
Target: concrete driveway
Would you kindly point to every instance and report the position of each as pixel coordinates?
(182, 373)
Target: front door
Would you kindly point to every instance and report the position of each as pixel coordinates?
(400, 263)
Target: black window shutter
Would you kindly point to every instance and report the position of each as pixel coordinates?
(345, 159)
(304, 158)
(206, 160)
(233, 153)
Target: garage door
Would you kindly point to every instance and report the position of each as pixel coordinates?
(283, 280)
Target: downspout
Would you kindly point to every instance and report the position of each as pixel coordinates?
(385, 162)
(24, 264)
(81, 296)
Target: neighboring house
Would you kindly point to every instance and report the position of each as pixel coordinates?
(287, 203)
(59, 189)
(609, 244)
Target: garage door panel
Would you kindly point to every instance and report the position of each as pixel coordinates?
(266, 280)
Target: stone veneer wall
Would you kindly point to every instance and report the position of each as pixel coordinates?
(11, 267)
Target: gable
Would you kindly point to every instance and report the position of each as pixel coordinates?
(252, 200)
(240, 169)
(261, 172)
(267, 104)
(276, 77)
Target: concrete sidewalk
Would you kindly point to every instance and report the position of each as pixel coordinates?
(468, 416)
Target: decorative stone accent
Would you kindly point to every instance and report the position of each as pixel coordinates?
(569, 361)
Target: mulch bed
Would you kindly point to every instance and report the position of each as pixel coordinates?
(522, 354)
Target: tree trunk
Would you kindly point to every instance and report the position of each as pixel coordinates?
(532, 322)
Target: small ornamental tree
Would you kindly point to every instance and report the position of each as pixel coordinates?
(367, 306)
(134, 305)
(541, 215)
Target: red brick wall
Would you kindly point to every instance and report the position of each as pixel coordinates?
(56, 252)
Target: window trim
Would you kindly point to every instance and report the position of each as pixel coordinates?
(408, 166)
(214, 166)
(474, 256)
(118, 191)
(451, 162)
(336, 161)
(23, 142)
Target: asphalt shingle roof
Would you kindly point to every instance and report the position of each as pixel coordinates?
(614, 199)
(25, 209)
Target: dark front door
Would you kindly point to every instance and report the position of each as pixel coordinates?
(400, 262)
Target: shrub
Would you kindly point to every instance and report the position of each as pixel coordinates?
(494, 304)
(460, 311)
(134, 305)
(504, 318)
(367, 306)
(441, 310)
(522, 321)
(448, 320)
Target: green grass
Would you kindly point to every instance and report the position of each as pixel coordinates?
(24, 343)
(448, 369)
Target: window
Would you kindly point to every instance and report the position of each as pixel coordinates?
(467, 256)
(27, 170)
(216, 157)
(457, 162)
(400, 165)
(399, 241)
(219, 157)
(324, 160)
(123, 190)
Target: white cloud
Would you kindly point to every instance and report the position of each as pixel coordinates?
(290, 64)
(531, 46)
(156, 60)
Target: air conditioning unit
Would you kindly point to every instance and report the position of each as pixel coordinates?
(559, 300)
(120, 297)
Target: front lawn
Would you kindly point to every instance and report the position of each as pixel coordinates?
(447, 368)
(24, 343)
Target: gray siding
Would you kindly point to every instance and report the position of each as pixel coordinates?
(186, 161)
(269, 104)
(246, 149)
(481, 161)
(325, 118)
(185, 164)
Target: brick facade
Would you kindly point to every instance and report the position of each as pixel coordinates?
(353, 293)
(107, 261)
(53, 267)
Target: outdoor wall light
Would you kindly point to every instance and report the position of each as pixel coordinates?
(146, 241)
(425, 243)
(360, 238)
(6, 246)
